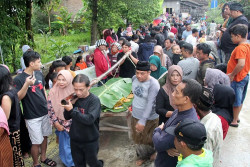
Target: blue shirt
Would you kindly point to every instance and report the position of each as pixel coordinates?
(185, 34)
(164, 141)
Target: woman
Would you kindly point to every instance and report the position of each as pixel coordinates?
(215, 76)
(12, 110)
(155, 66)
(165, 60)
(164, 106)
(89, 60)
(119, 32)
(62, 89)
(224, 97)
(6, 158)
(108, 37)
(115, 48)
(81, 63)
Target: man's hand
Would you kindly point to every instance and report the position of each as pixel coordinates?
(139, 128)
(161, 126)
(30, 80)
(173, 152)
(68, 107)
(231, 77)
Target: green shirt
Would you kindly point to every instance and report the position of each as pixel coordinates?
(205, 159)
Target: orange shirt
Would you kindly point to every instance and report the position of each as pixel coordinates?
(82, 65)
(242, 51)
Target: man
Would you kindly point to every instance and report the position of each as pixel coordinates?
(192, 39)
(101, 60)
(185, 94)
(190, 137)
(213, 27)
(238, 68)
(84, 131)
(159, 36)
(68, 61)
(168, 43)
(127, 67)
(144, 118)
(190, 64)
(236, 12)
(211, 122)
(174, 29)
(187, 32)
(202, 53)
(134, 43)
(33, 97)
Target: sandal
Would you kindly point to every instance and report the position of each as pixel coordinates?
(234, 125)
(49, 162)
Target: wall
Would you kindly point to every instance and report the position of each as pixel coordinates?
(73, 6)
(171, 4)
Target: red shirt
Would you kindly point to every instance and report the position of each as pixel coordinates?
(174, 30)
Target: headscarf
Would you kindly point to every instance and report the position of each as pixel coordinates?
(169, 87)
(158, 49)
(3, 121)
(224, 97)
(56, 94)
(215, 76)
(157, 62)
(88, 62)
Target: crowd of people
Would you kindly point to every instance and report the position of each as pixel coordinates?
(189, 87)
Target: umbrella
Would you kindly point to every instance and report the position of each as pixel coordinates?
(157, 21)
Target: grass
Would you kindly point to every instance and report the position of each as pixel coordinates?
(51, 47)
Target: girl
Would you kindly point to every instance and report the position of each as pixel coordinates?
(62, 89)
(81, 63)
(10, 104)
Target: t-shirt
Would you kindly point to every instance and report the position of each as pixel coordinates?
(189, 67)
(185, 34)
(177, 58)
(34, 103)
(173, 30)
(242, 51)
(134, 46)
(127, 69)
(144, 99)
(192, 40)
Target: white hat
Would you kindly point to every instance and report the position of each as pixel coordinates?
(25, 48)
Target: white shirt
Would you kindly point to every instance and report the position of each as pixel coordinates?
(134, 46)
(192, 40)
(214, 130)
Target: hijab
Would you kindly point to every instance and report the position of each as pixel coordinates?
(157, 62)
(56, 94)
(215, 76)
(88, 62)
(158, 49)
(3, 121)
(169, 87)
(224, 97)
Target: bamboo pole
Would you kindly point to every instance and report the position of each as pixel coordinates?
(96, 80)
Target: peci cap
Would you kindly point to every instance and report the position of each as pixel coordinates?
(143, 66)
(189, 131)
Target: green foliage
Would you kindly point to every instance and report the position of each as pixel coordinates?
(214, 14)
(58, 47)
(113, 91)
(64, 19)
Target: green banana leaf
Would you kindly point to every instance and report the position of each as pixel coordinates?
(111, 92)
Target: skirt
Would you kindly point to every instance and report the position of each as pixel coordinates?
(144, 137)
(6, 155)
(16, 148)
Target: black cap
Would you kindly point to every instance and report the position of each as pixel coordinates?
(189, 131)
(206, 99)
(143, 66)
(235, 6)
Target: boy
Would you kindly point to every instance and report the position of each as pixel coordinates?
(35, 109)
(238, 68)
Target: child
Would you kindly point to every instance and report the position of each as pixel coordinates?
(81, 63)
(176, 54)
(238, 67)
(203, 38)
(89, 59)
